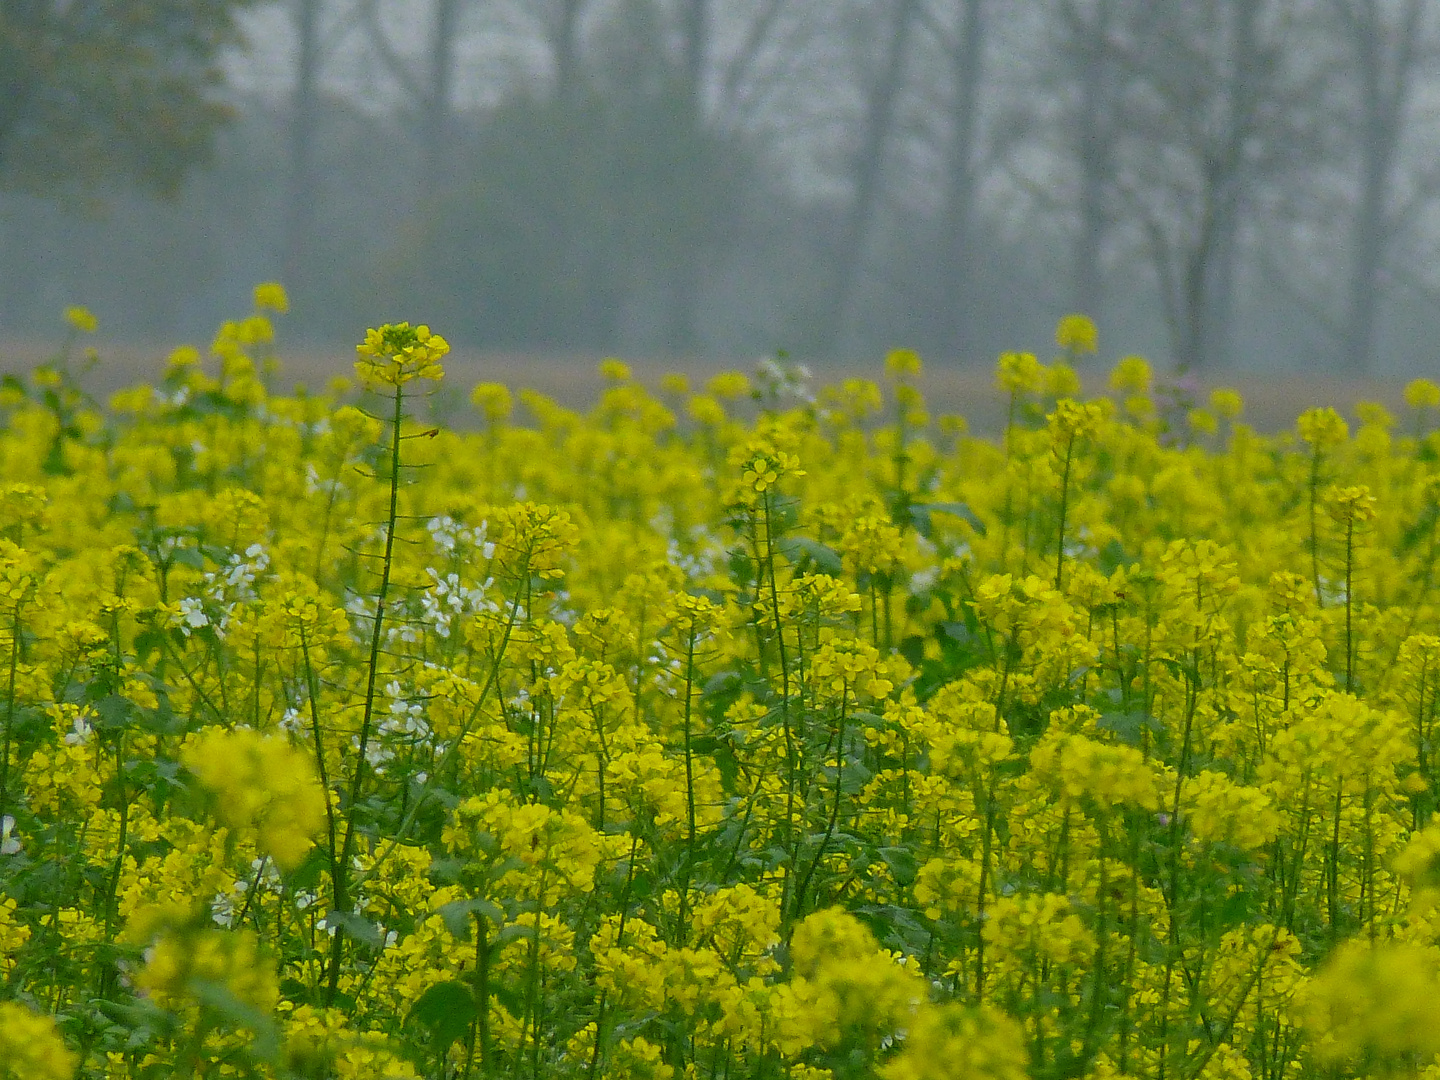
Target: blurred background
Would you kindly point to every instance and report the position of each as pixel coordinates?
(1248, 185)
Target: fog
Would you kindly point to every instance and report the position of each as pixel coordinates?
(1242, 185)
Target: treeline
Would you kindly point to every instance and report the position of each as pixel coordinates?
(1218, 181)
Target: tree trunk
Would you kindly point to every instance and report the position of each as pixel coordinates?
(687, 280)
(967, 62)
(878, 118)
(1208, 300)
(565, 49)
(1385, 86)
(436, 127)
(1094, 132)
(304, 128)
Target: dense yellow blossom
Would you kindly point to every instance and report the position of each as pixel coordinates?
(748, 732)
(262, 783)
(31, 1048)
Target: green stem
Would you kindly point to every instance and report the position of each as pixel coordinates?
(1064, 507)
(347, 847)
(9, 709)
(684, 933)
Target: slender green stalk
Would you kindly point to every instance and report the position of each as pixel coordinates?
(341, 868)
(689, 862)
(1064, 507)
(1314, 526)
(790, 753)
(1349, 602)
(9, 710)
(313, 695)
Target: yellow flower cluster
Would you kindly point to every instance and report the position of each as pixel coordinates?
(614, 742)
(261, 783)
(397, 353)
(31, 1048)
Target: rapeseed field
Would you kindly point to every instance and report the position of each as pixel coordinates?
(726, 732)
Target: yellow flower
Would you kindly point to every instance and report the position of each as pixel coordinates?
(951, 1041)
(81, 319)
(1227, 403)
(1322, 427)
(1073, 420)
(1203, 421)
(396, 353)
(31, 1048)
(1350, 505)
(728, 385)
(903, 363)
(1019, 373)
(1077, 334)
(1131, 376)
(183, 962)
(1422, 394)
(1380, 1002)
(613, 370)
(261, 783)
(1061, 380)
(271, 296)
(493, 400)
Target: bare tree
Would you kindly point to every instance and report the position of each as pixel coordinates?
(874, 127)
(963, 46)
(1207, 115)
(1387, 43)
(1087, 27)
(304, 127)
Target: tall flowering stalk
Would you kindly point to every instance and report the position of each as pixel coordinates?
(390, 357)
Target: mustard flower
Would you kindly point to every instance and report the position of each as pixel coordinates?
(1131, 375)
(1350, 505)
(1379, 1004)
(493, 400)
(613, 370)
(903, 363)
(261, 783)
(181, 963)
(1422, 394)
(1322, 428)
(951, 1040)
(81, 319)
(1019, 373)
(1077, 334)
(397, 353)
(1227, 403)
(271, 296)
(31, 1048)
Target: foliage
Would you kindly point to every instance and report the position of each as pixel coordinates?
(93, 92)
(709, 734)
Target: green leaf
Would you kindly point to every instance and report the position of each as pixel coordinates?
(1127, 725)
(1189, 671)
(446, 1010)
(802, 550)
(902, 864)
(513, 932)
(922, 513)
(359, 928)
(457, 915)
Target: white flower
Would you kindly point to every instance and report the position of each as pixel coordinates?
(9, 843)
(81, 733)
(192, 615)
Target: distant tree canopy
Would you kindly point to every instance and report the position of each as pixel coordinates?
(96, 94)
(575, 209)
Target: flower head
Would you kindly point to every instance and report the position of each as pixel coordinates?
(396, 353)
(1077, 334)
(270, 296)
(81, 319)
